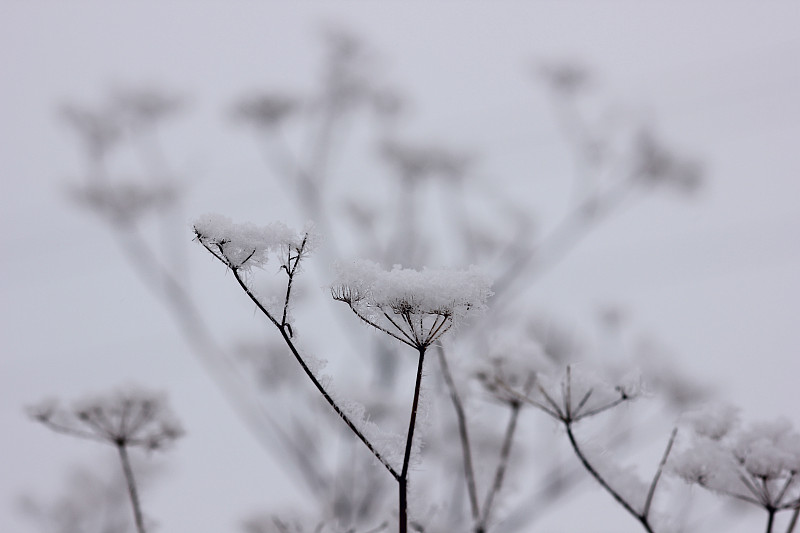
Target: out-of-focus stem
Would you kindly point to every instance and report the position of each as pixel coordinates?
(793, 521)
(131, 482)
(502, 464)
(466, 452)
(640, 517)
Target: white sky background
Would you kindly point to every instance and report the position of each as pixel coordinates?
(716, 277)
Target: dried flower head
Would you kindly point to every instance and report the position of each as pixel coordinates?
(128, 417)
(581, 393)
(242, 246)
(655, 164)
(414, 307)
(145, 106)
(415, 162)
(265, 110)
(125, 201)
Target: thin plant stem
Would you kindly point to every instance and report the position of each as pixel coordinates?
(651, 492)
(403, 481)
(502, 465)
(770, 519)
(287, 339)
(131, 482)
(793, 521)
(466, 452)
(603, 483)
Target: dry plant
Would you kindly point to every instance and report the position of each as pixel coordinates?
(489, 371)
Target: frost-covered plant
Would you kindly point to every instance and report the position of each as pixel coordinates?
(758, 464)
(416, 308)
(131, 417)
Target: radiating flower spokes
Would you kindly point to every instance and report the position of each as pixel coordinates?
(128, 417)
(414, 307)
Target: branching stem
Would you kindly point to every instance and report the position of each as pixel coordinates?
(603, 483)
(287, 339)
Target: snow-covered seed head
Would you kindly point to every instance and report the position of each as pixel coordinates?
(415, 307)
(243, 246)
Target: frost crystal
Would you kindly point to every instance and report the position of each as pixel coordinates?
(415, 307)
(242, 246)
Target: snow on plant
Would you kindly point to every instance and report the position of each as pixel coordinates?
(131, 417)
(758, 464)
(414, 307)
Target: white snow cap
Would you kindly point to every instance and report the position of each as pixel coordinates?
(420, 300)
(246, 245)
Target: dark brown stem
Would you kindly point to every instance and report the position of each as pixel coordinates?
(403, 480)
(134, 495)
(466, 452)
(502, 464)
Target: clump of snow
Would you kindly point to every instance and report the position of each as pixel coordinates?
(243, 246)
(415, 306)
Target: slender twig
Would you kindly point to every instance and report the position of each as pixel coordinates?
(403, 480)
(603, 483)
(793, 521)
(70, 431)
(651, 492)
(502, 464)
(785, 488)
(461, 418)
(291, 272)
(600, 409)
(287, 339)
(132, 492)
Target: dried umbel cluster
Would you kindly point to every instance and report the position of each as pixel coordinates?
(129, 417)
(243, 246)
(414, 307)
(759, 464)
